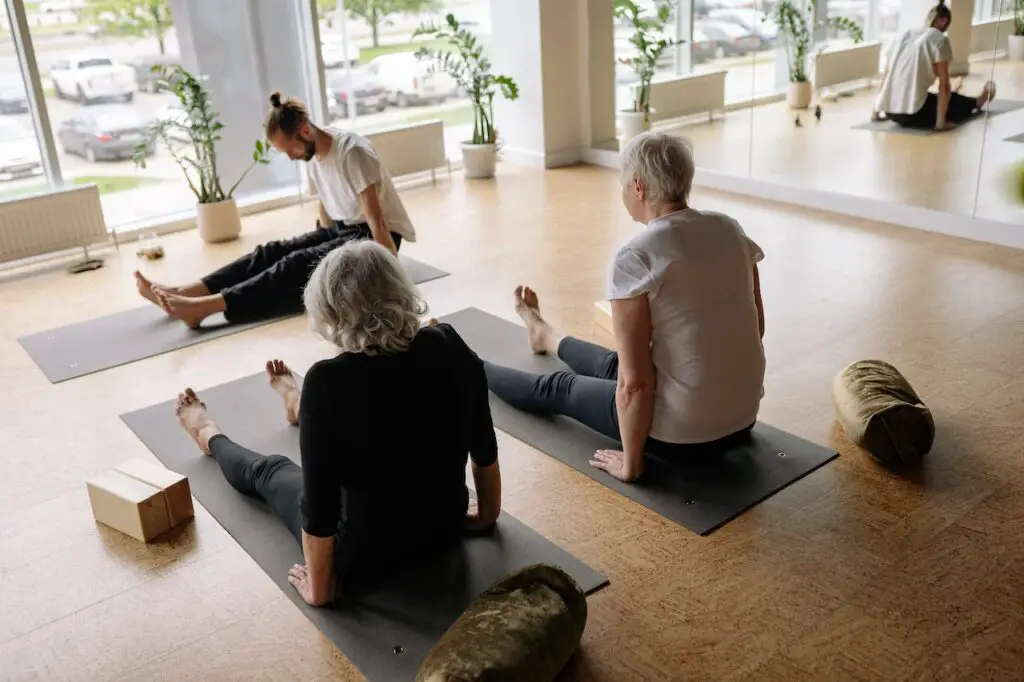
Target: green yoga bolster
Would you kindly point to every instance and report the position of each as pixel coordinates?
(524, 628)
(883, 414)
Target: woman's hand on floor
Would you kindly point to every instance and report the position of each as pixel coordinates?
(473, 521)
(299, 578)
(615, 463)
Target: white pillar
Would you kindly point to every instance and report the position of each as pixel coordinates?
(246, 49)
(561, 54)
(913, 14)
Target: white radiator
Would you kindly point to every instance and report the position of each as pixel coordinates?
(697, 93)
(847, 64)
(64, 219)
(411, 149)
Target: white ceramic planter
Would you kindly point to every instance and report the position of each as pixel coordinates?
(1015, 47)
(479, 160)
(218, 222)
(633, 123)
(799, 95)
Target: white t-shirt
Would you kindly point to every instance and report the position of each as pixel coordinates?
(911, 59)
(350, 167)
(696, 268)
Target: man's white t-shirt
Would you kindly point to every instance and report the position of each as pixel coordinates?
(911, 59)
(350, 167)
(696, 268)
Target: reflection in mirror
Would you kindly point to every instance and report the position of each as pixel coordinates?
(997, 46)
(704, 83)
(868, 55)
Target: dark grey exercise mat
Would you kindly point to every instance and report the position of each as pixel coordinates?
(700, 495)
(996, 107)
(413, 609)
(96, 345)
(1015, 138)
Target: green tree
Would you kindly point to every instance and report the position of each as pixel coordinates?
(375, 12)
(132, 17)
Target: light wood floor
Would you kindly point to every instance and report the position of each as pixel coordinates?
(939, 172)
(852, 573)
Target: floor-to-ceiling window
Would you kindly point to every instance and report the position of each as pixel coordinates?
(372, 75)
(21, 157)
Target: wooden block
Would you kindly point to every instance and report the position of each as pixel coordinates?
(128, 505)
(603, 316)
(174, 485)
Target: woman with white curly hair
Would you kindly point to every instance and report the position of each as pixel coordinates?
(385, 428)
(688, 322)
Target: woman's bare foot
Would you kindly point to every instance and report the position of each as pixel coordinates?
(193, 418)
(283, 381)
(191, 311)
(542, 336)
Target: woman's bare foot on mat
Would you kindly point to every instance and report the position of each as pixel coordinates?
(191, 311)
(542, 336)
(150, 290)
(193, 418)
(282, 380)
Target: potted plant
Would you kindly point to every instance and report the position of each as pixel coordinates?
(191, 137)
(1015, 41)
(472, 72)
(650, 42)
(798, 25)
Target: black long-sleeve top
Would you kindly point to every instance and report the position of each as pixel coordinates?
(385, 438)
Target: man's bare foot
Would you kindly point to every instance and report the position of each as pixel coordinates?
(988, 93)
(542, 336)
(191, 311)
(150, 290)
(193, 418)
(283, 381)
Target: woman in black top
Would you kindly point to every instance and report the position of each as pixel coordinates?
(385, 428)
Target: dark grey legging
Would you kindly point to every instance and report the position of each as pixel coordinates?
(586, 393)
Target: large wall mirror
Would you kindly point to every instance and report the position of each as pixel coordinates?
(785, 91)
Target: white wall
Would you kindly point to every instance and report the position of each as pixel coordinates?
(516, 52)
(913, 14)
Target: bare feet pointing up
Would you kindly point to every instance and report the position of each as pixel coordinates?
(542, 337)
(193, 418)
(282, 380)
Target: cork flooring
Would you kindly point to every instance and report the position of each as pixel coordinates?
(852, 573)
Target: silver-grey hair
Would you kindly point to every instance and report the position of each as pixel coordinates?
(360, 299)
(663, 164)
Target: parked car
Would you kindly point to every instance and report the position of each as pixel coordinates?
(409, 80)
(704, 48)
(333, 54)
(13, 99)
(730, 39)
(752, 21)
(175, 112)
(369, 94)
(89, 79)
(109, 132)
(145, 78)
(19, 153)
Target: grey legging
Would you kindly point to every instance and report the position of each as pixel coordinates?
(586, 393)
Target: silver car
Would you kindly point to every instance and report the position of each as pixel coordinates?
(19, 153)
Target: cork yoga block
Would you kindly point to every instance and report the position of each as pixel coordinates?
(883, 414)
(140, 499)
(526, 627)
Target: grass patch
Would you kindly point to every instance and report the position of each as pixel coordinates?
(450, 117)
(368, 54)
(23, 191)
(109, 184)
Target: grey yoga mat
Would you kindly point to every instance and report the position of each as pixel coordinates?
(996, 107)
(105, 342)
(700, 495)
(385, 630)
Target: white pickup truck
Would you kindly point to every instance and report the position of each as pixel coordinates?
(88, 79)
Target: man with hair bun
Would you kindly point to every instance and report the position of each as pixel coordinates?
(357, 201)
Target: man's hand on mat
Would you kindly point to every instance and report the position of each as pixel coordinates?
(615, 463)
(299, 578)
